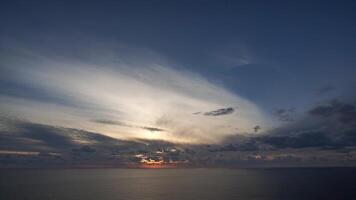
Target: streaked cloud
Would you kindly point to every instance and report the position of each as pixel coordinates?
(118, 123)
(218, 112)
(221, 111)
(144, 98)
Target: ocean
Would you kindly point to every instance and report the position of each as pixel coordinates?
(178, 184)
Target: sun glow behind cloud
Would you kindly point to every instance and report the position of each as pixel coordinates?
(148, 101)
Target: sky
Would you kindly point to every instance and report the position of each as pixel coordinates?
(252, 80)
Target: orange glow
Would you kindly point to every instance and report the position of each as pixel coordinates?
(157, 162)
(151, 164)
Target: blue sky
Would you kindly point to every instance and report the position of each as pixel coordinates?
(276, 53)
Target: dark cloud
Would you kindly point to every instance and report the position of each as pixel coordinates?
(328, 126)
(99, 150)
(31, 136)
(26, 135)
(110, 122)
(84, 149)
(152, 129)
(308, 139)
(221, 111)
(285, 114)
(256, 128)
(344, 113)
(246, 146)
(332, 124)
(119, 123)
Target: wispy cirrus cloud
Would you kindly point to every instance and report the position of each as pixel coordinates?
(144, 98)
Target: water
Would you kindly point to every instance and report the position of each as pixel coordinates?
(182, 184)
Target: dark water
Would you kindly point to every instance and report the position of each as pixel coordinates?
(182, 184)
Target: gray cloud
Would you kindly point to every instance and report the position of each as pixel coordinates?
(307, 139)
(74, 147)
(221, 111)
(256, 128)
(110, 122)
(344, 113)
(246, 146)
(119, 123)
(152, 128)
(33, 136)
(285, 114)
(332, 124)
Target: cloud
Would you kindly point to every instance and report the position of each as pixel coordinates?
(285, 115)
(34, 136)
(332, 124)
(38, 145)
(110, 122)
(303, 140)
(119, 123)
(138, 96)
(256, 128)
(152, 129)
(221, 111)
(246, 146)
(342, 112)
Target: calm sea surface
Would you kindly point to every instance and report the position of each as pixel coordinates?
(182, 184)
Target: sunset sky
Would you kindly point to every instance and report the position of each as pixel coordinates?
(252, 80)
